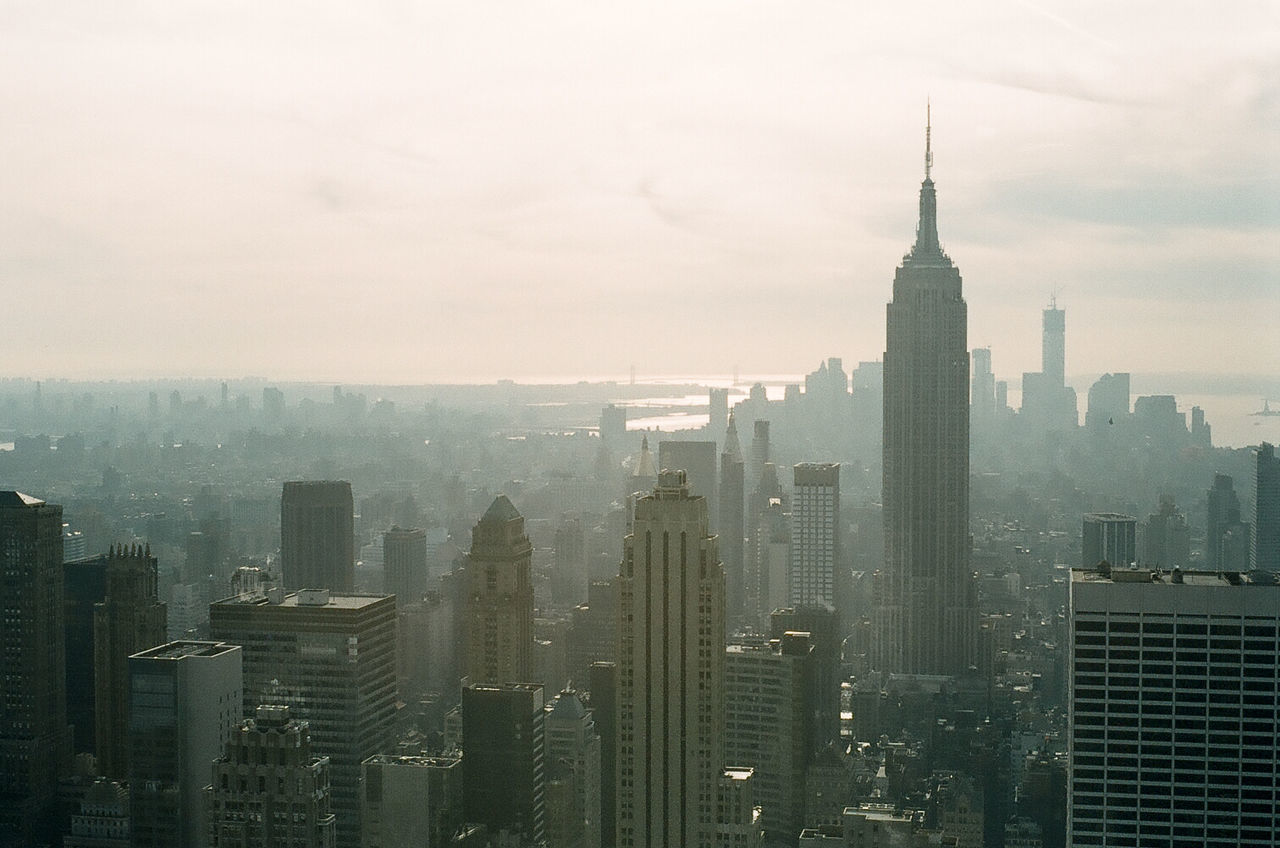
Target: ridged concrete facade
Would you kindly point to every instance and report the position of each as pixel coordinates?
(670, 673)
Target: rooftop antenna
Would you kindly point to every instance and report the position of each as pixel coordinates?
(928, 138)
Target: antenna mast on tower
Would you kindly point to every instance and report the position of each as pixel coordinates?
(928, 139)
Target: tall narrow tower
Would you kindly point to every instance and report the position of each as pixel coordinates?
(35, 739)
(1053, 345)
(500, 598)
(927, 619)
(670, 673)
(731, 530)
(815, 534)
(130, 619)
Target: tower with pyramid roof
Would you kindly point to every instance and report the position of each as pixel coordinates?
(499, 598)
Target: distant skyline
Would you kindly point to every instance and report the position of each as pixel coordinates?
(413, 193)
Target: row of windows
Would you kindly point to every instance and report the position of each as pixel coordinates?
(1185, 624)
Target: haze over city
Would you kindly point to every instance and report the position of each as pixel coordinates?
(457, 192)
(718, 425)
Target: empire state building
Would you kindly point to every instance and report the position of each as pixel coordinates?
(926, 619)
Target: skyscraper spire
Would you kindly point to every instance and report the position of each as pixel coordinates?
(732, 446)
(927, 249)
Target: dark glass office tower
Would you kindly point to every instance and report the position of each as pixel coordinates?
(317, 536)
(35, 740)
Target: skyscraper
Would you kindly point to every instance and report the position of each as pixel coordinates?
(1047, 402)
(35, 740)
(760, 452)
(717, 411)
(1166, 538)
(84, 587)
(569, 578)
(670, 672)
(1266, 509)
(768, 548)
(500, 600)
(184, 704)
(982, 399)
(928, 620)
(268, 790)
(1108, 402)
(769, 717)
(1172, 714)
(410, 800)
(604, 709)
(815, 534)
(130, 619)
(698, 461)
(731, 530)
(1226, 544)
(827, 638)
(503, 758)
(404, 564)
(317, 536)
(573, 759)
(1109, 536)
(330, 658)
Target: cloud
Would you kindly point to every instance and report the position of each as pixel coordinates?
(408, 177)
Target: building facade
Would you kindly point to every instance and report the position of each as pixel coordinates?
(670, 672)
(698, 461)
(573, 756)
(769, 718)
(184, 704)
(404, 564)
(1172, 709)
(410, 801)
(317, 536)
(267, 789)
(84, 586)
(815, 534)
(1109, 536)
(1265, 554)
(1166, 538)
(330, 658)
(35, 739)
(130, 619)
(504, 758)
(926, 622)
(731, 528)
(500, 598)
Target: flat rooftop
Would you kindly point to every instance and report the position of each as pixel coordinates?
(306, 601)
(1172, 578)
(184, 648)
(413, 761)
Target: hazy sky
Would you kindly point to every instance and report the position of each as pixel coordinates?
(411, 192)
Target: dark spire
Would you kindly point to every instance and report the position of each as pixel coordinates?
(927, 247)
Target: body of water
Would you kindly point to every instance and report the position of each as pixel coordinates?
(1229, 415)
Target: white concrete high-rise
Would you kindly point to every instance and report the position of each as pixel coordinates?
(670, 672)
(815, 534)
(1172, 709)
(1109, 536)
(184, 704)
